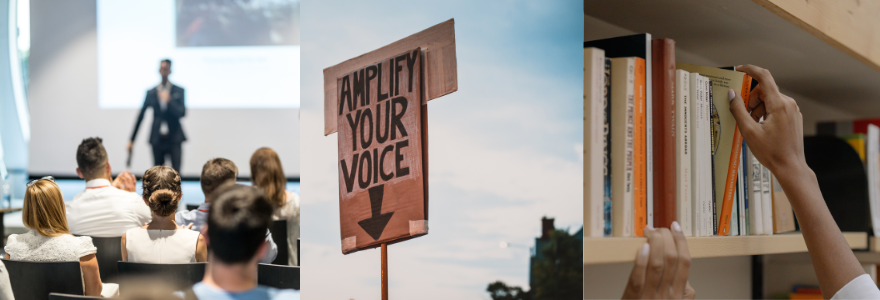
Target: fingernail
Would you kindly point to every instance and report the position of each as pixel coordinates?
(737, 68)
(645, 248)
(649, 227)
(676, 226)
(731, 94)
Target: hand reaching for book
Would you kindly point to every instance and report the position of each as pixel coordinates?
(662, 266)
(777, 140)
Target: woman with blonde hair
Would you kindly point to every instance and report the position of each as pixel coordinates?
(161, 241)
(49, 239)
(268, 176)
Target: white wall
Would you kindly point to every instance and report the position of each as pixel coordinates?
(64, 107)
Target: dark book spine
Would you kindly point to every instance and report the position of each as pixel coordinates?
(663, 130)
(745, 172)
(606, 145)
(713, 145)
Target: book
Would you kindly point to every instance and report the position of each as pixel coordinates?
(728, 142)
(606, 141)
(872, 144)
(845, 127)
(594, 119)
(744, 195)
(692, 121)
(712, 150)
(706, 163)
(637, 45)
(640, 147)
(682, 151)
(783, 216)
(734, 209)
(756, 219)
(663, 110)
(766, 200)
(622, 153)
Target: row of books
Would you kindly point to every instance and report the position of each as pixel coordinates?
(660, 145)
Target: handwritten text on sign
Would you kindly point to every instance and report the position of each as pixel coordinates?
(380, 151)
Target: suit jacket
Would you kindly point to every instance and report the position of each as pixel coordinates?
(175, 110)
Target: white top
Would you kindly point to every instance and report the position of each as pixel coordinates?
(5, 286)
(158, 246)
(31, 246)
(199, 218)
(105, 211)
(291, 210)
(861, 287)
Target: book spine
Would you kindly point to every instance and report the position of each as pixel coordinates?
(706, 164)
(683, 151)
(663, 111)
(712, 200)
(606, 135)
(872, 144)
(649, 127)
(733, 167)
(594, 83)
(622, 158)
(766, 200)
(692, 121)
(756, 218)
(734, 212)
(640, 147)
(745, 227)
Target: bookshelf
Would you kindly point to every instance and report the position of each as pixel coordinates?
(615, 250)
(815, 49)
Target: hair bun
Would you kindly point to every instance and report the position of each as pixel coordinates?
(162, 196)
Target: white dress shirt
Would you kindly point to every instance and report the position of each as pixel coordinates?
(105, 211)
(199, 218)
(861, 287)
(163, 128)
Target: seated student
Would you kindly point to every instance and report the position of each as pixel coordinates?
(268, 175)
(162, 241)
(236, 223)
(217, 172)
(49, 238)
(103, 209)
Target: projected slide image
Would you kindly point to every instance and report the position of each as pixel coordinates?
(205, 23)
(225, 53)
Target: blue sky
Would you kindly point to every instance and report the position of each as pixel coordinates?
(504, 149)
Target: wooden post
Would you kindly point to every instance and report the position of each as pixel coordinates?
(384, 271)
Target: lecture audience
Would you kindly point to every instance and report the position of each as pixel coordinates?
(104, 208)
(268, 175)
(236, 223)
(161, 240)
(49, 239)
(216, 173)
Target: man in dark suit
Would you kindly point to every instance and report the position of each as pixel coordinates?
(166, 134)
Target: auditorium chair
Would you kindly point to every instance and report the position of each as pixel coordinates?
(35, 280)
(282, 277)
(279, 235)
(180, 276)
(60, 296)
(109, 252)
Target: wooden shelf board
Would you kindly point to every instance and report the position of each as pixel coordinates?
(734, 32)
(616, 249)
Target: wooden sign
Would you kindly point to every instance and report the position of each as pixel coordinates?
(378, 107)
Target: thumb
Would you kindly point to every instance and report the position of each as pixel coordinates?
(746, 124)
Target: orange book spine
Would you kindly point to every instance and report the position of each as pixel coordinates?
(640, 143)
(735, 154)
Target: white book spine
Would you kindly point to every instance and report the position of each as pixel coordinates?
(766, 200)
(756, 217)
(594, 117)
(622, 151)
(683, 152)
(741, 180)
(706, 165)
(872, 144)
(696, 88)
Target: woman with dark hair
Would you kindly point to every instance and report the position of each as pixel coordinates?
(161, 241)
(268, 176)
(49, 238)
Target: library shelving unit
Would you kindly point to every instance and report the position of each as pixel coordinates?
(825, 52)
(614, 249)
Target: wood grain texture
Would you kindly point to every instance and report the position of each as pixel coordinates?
(614, 250)
(849, 25)
(441, 73)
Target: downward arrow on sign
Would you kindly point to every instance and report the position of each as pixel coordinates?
(375, 225)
